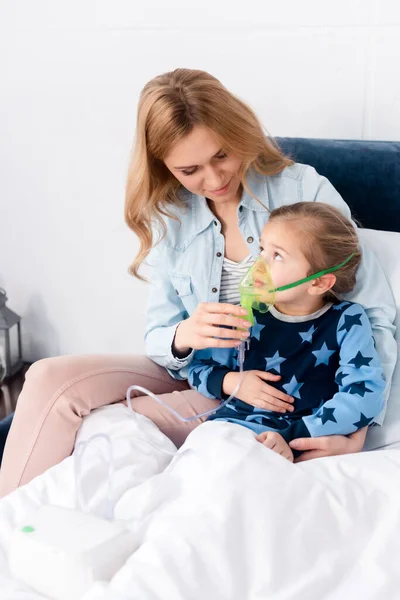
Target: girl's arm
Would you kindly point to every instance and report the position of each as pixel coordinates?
(208, 369)
(372, 290)
(359, 398)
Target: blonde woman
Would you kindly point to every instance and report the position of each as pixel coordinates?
(203, 179)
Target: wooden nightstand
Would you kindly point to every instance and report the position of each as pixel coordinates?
(10, 390)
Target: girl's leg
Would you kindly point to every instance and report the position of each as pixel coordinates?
(58, 392)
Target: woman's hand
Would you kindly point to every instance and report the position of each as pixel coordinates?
(207, 328)
(256, 392)
(330, 445)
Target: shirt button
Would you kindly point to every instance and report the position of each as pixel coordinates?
(215, 223)
(219, 254)
(177, 293)
(250, 240)
(240, 208)
(214, 290)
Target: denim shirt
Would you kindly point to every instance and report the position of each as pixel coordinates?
(186, 265)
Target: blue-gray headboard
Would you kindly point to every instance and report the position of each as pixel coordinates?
(366, 174)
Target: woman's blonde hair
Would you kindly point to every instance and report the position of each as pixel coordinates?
(327, 239)
(170, 106)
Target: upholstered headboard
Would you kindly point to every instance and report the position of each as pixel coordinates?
(366, 174)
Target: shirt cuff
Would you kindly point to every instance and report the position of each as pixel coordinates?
(214, 382)
(181, 361)
(158, 345)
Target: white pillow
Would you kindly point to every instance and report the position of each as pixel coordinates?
(386, 247)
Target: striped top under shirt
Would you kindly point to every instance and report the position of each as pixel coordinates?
(232, 273)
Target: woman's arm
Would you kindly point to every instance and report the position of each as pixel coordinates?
(331, 445)
(165, 311)
(372, 290)
(211, 324)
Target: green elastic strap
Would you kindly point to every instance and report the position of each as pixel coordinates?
(282, 288)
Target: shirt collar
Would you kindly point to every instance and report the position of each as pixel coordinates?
(299, 318)
(257, 184)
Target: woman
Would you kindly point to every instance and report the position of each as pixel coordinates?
(202, 181)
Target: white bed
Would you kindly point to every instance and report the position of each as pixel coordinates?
(228, 519)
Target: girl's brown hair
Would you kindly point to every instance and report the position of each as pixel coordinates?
(170, 106)
(327, 239)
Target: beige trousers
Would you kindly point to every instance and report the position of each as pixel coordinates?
(58, 392)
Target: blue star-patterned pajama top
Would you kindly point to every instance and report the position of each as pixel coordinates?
(327, 362)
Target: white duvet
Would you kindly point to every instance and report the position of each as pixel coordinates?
(227, 518)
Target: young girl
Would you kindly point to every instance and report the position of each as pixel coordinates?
(320, 349)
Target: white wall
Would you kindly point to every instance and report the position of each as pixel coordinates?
(70, 75)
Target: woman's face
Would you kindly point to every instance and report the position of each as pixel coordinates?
(200, 164)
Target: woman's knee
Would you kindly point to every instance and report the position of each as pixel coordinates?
(47, 373)
(48, 376)
(94, 379)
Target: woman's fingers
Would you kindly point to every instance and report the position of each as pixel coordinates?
(309, 447)
(223, 315)
(330, 445)
(219, 332)
(224, 321)
(218, 343)
(222, 308)
(307, 444)
(209, 324)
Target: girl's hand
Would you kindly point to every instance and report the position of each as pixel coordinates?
(203, 329)
(275, 442)
(330, 445)
(256, 392)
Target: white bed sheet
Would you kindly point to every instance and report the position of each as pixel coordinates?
(229, 519)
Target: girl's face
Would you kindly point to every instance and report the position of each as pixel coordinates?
(200, 164)
(280, 247)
